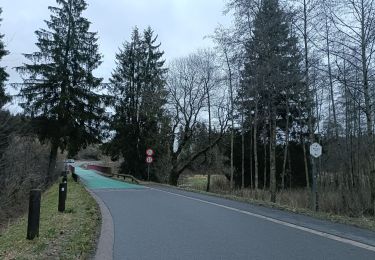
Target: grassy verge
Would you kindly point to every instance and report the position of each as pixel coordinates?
(69, 235)
(362, 221)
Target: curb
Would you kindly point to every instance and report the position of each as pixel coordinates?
(104, 249)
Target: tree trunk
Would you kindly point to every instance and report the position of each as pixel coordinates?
(173, 177)
(209, 138)
(306, 165)
(273, 158)
(52, 161)
(255, 150)
(332, 94)
(251, 158)
(243, 150)
(265, 166)
(307, 80)
(232, 119)
(286, 146)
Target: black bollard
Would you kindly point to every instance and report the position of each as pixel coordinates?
(62, 197)
(75, 177)
(34, 214)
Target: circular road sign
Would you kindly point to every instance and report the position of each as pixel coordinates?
(149, 159)
(316, 150)
(150, 152)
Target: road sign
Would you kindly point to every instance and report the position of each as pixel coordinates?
(150, 152)
(149, 159)
(316, 150)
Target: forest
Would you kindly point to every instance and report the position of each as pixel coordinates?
(284, 75)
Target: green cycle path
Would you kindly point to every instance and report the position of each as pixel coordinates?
(95, 181)
(158, 222)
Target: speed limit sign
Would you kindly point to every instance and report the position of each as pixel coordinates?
(149, 159)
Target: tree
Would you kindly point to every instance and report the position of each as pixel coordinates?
(208, 69)
(3, 75)
(187, 99)
(272, 67)
(139, 92)
(59, 85)
(229, 56)
(354, 21)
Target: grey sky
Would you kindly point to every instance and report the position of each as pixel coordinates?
(180, 24)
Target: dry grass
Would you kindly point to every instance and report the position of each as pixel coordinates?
(348, 207)
(23, 167)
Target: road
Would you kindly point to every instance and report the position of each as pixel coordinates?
(165, 223)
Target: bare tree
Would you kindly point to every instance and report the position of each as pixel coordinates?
(208, 69)
(187, 101)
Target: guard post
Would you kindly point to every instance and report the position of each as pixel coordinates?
(62, 197)
(34, 214)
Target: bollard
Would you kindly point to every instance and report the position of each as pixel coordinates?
(75, 177)
(34, 214)
(64, 179)
(62, 197)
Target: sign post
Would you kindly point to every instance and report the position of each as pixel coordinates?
(315, 152)
(149, 160)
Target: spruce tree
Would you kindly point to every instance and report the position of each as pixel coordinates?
(138, 87)
(3, 75)
(59, 89)
(272, 73)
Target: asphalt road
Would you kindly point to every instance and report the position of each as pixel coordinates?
(163, 223)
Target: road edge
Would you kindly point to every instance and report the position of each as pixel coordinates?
(104, 248)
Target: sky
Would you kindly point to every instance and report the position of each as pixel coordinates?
(181, 26)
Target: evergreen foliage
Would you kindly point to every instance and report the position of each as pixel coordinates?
(273, 78)
(4, 98)
(139, 90)
(60, 90)
(272, 68)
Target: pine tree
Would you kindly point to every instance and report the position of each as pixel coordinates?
(3, 75)
(272, 71)
(138, 87)
(59, 85)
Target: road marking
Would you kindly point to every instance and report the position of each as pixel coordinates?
(280, 222)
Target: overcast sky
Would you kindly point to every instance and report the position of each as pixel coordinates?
(180, 24)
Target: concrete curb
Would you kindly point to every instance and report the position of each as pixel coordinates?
(104, 250)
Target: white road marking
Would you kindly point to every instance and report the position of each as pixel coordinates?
(280, 222)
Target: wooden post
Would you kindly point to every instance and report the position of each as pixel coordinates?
(34, 214)
(62, 197)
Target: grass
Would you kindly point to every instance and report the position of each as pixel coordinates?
(68, 235)
(296, 201)
(198, 182)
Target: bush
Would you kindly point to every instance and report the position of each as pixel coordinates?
(23, 166)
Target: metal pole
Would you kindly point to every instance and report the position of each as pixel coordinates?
(34, 214)
(314, 185)
(148, 172)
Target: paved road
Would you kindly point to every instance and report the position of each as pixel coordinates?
(163, 223)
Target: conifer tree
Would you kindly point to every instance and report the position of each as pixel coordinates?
(3, 75)
(59, 85)
(272, 71)
(138, 87)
